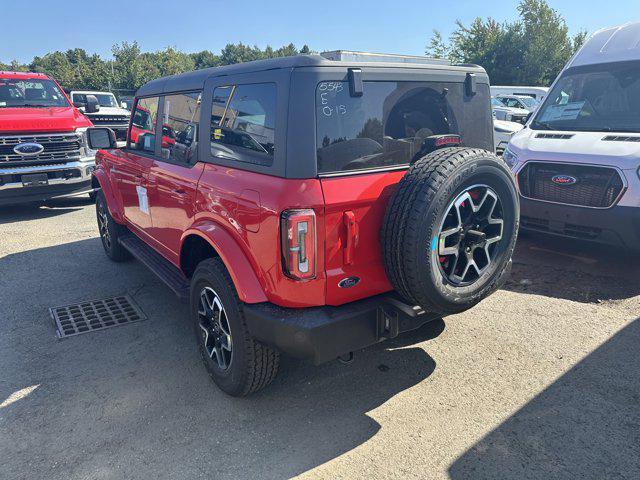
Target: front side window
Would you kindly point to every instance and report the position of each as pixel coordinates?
(142, 135)
(243, 122)
(30, 93)
(595, 98)
(181, 115)
(388, 125)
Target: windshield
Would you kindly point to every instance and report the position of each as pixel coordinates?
(596, 98)
(528, 101)
(104, 99)
(30, 93)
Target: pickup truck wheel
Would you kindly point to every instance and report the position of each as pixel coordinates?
(110, 231)
(450, 229)
(237, 363)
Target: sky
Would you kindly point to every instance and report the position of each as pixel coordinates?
(35, 27)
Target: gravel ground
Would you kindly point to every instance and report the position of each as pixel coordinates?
(541, 380)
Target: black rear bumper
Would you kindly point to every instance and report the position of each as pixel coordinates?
(619, 226)
(320, 334)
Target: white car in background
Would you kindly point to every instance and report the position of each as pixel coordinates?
(537, 93)
(502, 133)
(110, 113)
(510, 114)
(518, 101)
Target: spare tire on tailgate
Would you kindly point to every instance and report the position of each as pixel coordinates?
(450, 229)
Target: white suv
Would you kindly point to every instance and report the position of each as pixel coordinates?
(110, 114)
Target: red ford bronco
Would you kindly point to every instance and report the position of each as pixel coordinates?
(312, 205)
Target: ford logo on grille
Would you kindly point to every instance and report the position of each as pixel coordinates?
(29, 148)
(564, 180)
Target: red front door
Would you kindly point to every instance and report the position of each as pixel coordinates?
(129, 172)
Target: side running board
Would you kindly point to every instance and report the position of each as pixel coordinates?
(160, 266)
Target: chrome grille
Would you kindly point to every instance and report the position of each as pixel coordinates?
(58, 148)
(595, 187)
(109, 119)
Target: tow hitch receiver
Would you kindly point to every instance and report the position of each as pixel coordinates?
(395, 316)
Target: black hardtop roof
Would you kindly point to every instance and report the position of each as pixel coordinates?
(195, 80)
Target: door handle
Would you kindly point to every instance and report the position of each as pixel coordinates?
(349, 220)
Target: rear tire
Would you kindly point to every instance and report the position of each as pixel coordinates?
(237, 363)
(110, 231)
(429, 202)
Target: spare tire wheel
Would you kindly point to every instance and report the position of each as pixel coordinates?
(450, 229)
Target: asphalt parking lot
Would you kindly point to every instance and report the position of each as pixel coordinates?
(541, 380)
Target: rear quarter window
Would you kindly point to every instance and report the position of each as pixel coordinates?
(243, 122)
(387, 125)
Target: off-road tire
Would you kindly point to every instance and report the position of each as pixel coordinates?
(253, 365)
(112, 247)
(414, 216)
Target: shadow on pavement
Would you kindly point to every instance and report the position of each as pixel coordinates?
(585, 425)
(572, 270)
(137, 399)
(38, 210)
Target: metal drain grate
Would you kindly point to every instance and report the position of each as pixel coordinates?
(95, 315)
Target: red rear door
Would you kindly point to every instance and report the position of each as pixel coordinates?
(354, 210)
(173, 195)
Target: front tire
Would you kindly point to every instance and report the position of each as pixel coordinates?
(110, 231)
(238, 364)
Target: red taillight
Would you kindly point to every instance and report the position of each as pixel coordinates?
(299, 243)
(447, 140)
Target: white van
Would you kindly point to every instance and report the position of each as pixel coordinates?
(534, 92)
(577, 160)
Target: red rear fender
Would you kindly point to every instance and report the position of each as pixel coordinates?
(248, 286)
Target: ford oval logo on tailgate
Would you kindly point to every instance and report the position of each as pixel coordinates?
(30, 148)
(564, 180)
(349, 282)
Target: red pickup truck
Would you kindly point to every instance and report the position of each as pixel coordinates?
(43, 150)
(311, 205)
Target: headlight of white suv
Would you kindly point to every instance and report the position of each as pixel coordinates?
(510, 158)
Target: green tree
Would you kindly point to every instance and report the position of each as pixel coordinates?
(530, 51)
(205, 59)
(437, 48)
(129, 68)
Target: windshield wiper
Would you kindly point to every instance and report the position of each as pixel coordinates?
(27, 105)
(542, 125)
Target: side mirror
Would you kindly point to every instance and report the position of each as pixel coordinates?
(101, 138)
(124, 105)
(92, 105)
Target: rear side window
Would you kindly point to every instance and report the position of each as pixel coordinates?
(243, 121)
(181, 116)
(142, 135)
(388, 124)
